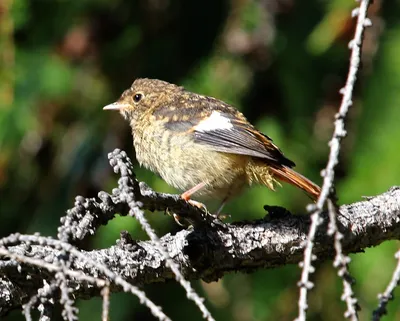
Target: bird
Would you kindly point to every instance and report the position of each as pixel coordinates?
(201, 145)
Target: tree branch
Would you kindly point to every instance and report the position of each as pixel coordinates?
(205, 251)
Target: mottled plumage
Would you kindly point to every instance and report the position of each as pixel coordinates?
(200, 144)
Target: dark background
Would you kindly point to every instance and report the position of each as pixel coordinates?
(280, 62)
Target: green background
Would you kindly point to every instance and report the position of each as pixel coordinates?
(281, 63)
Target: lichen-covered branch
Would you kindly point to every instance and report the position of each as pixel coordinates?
(206, 251)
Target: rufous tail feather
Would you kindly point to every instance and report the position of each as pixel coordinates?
(290, 176)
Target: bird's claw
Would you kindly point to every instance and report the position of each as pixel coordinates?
(198, 205)
(176, 217)
(221, 216)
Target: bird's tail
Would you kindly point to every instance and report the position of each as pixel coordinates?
(290, 176)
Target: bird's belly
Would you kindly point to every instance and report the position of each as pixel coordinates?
(184, 164)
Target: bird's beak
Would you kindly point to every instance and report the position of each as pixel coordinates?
(116, 106)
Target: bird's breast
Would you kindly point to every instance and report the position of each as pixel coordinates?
(183, 163)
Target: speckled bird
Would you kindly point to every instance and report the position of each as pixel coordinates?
(201, 145)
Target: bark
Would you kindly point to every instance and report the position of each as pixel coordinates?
(206, 251)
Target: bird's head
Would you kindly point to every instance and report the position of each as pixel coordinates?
(144, 94)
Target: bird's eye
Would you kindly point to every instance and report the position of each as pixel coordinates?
(137, 97)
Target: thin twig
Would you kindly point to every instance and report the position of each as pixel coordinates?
(341, 262)
(52, 267)
(127, 183)
(69, 311)
(118, 280)
(106, 302)
(329, 173)
(190, 292)
(388, 294)
(46, 310)
(45, 292)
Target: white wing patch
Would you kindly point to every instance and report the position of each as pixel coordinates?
(214, 122)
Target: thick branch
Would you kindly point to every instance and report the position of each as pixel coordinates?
(210, 251)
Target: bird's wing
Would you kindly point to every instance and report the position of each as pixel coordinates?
(237, 136)
(224, 129)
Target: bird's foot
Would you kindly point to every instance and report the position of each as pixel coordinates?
(198, 205)
(179, 220)
(222, 216)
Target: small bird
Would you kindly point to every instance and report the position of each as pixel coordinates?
(201, 145)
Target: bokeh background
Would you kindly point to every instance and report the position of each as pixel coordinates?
(281, 62)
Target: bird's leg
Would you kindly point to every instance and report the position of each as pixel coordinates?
(220, 208)
(218, 213)
(186, 196)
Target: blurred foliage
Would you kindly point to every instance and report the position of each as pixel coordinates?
(281, 62)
